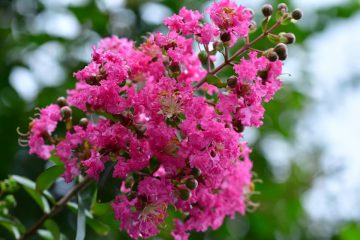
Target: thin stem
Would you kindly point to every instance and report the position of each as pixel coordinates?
(57, 207)
(240, 51)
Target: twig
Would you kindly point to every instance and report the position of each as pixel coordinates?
(57, 207)
(240, 51)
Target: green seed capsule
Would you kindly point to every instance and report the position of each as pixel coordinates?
(191, 183)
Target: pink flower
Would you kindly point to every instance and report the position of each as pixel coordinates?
(94, 165)
(41, 128)
(230, 17)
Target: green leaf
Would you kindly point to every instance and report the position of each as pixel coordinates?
(13, 226)
(29, 187)
(81, 219)
(99, 227)
(108, 187)
(48, 177)
(214, 80)
(52, 226)
(56, 160)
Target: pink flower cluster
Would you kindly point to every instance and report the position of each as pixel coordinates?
(168, 142)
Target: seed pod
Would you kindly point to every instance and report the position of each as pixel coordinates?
(267, 10)
(297, 14)
(191, 183)
(232, 82)
(61, 101)
(196, 172)
(84, 122)
(225, 37)
(184, 194)
(66, 112)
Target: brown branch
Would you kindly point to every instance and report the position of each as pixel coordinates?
(242, 50)
(57, 207)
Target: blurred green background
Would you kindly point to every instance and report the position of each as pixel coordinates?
(306, 153)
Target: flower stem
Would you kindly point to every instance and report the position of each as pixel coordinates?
(57, 207)
(242, 50)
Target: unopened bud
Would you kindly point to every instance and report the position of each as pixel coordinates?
(287, 38)
(84, 122)
(282, 7)
(129, 181)
(297, 14)
(196, 172)
(253, 26)
(281, 50)
(238, 126)
(232, 82)
(66, 112)
(272, 56)
(184, 194)
(10, 201)
(61, 101)
(191, 183)
(225, 37)
(267, 10)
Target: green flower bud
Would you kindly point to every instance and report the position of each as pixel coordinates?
(66, 112)
(184, 194)
(267, 10)
(61, 101)
(196, 172)
(191, 183)
(10, 201)
(84, 122)
(282, 7)
(297, 14)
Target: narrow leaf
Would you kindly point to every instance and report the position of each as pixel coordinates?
(81, 219)
(29, 187)
(213, 80)
(52, 226)
(108, 187)
(48, 177)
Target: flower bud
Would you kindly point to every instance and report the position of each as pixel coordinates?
(10, 201)
(281, 50)
(282, 7)
(267, 10)
(61, 101)
(84, 122)
(196, 172)
(287, 38)
(66, 112)
(232, 82)
(184, 194)
(253, 27)
(297, 14)
(191, 183)
(272, 56)
(225, 37)
(237, 125)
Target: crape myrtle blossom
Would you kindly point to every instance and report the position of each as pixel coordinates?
(169, 128)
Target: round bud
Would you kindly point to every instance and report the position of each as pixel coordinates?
(237, 125)
(10, 201)
(191, 183)
(253, 27)
(232, 82)
(267, 10)
(196, 172)
(283, 7)
(61, 101)
(290, 38)
(225, 37)
(66, 112)
(280, 49)
(272, 56)
(84, 122)
(297, 14)
(184, 194)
